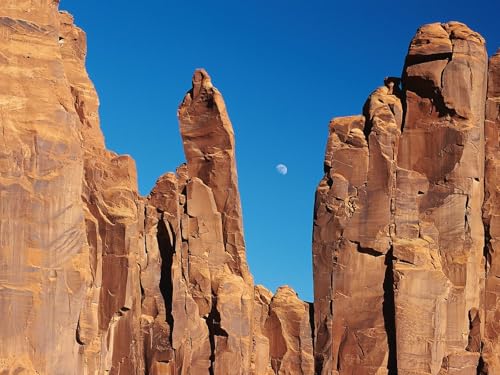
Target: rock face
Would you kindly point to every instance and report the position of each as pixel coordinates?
(201, 313)
(399, 268)
(95, 279)
(194, 230)
(69, 219)
(491, 218)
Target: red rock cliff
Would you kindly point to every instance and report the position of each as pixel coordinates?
(403, 283)
(95, 279)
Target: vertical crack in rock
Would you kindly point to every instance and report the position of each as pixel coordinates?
(474, 339)
(389, 310)
(166, 243)
(215, 331)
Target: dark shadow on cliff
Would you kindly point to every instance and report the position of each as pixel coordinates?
(214, 329)
(167, 250)
(389, 311)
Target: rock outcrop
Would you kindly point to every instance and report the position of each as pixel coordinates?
(70, 224)
(95, 279)
(491, 218)
(195, 236)
(399, 268)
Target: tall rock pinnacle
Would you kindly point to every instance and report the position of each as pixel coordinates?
(95, 279)
(208, 140)
(203, 303)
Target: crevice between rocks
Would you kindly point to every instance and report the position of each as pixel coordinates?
(419, 59)
(214, 329)
(425, 89)
(311, 320)
(166, 246)
(389, 313)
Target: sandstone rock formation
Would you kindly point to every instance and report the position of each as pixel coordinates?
(491, 217)
(398, 229)
(70, 224)
(95, 279)
(201, 313)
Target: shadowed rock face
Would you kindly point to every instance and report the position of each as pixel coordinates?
(399, 269)
(95, 279)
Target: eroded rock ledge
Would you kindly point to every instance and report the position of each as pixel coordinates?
(95, 279)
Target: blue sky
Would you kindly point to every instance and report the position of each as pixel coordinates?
(285, 67)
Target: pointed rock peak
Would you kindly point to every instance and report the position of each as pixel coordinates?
(203, 95)
(201, 80)
(66, 17)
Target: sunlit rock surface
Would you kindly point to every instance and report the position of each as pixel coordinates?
(95, 279)
(403, 235)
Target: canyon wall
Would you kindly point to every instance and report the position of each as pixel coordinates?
(95, 279)
(405, 217)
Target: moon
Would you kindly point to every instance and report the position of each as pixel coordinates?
(282, 169)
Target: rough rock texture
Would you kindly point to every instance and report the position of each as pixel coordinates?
(212, 228)
(42, 232)
(439, 266)
(69, 287)
(108, 321)
(201, 313)
(491, 218)
(399, 270)
(283, 330)
(95, 279)
(288, 328)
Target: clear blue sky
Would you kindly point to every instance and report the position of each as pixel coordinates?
(285, 67)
